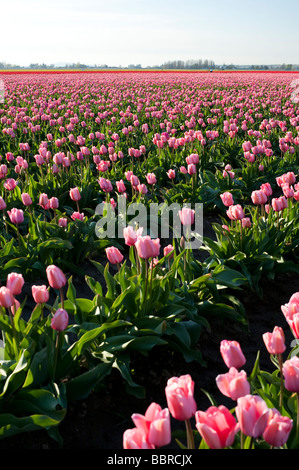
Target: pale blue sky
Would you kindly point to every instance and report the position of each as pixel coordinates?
(119, 32)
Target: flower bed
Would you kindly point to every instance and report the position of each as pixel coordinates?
(78, 148)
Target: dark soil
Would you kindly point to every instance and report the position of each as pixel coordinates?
(99, 421)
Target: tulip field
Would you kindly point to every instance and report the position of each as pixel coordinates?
(88, 313)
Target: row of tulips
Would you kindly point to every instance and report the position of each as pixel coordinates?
(68, 146)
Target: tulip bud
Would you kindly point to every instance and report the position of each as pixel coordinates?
(56, 277)
(60, 320)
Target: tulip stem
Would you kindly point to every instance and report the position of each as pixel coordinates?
(190, 437)
(57, 347)
(61, 297)
(15, 340)
(145, 289)
(281, 381)
(297, 429)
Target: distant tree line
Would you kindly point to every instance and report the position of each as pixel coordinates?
(189, 64)
(169, 65)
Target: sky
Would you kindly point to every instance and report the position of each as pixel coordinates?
(149, 32)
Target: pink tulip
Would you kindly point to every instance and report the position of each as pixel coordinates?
(155, 425)
(187, 216)
(191, 169)
(275, 342)
(258, 197)
(291, 374)
(56, 277)
(62, 222)
(142, 188)
(232, 354)
(105, 185)
(16, 216)
(266, 188)
(171, 174)
(14, 283)
(180, 397)
(217, 426)
(227, 199)
(6, 297)
(288, 191)
(130, 235)
(278, 429)
(26, 199)
(60, 320)
(233, 384)
(246, 222)
(183, 170)
(147, 247)
(168, 249)
(43, 200)
(114, 255)
(279, 204)
(75, 194)
(235, 212)
(135, 439)
(121, 187)
(54, 203)
(2, 204)
(291, 314)
(151, 178)
(10, 184)
(77, 216)
(40, 294)
(252, 414)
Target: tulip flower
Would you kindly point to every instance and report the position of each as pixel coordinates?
(217, 426)
(62, 222)
(56, 277)
(278, 429)
(232, 354)
(180, 397)
(75, 194)
(147, 247)
(291, 313)
(77, 216)
(16, 216)
(60, 320)
(171, 174)
(252, 414)
(168, 249)
(259, 197)
(187, 216)
(26, 199)
(155, 425)
(114, 255)
(182, 406)
(135, 439)
(40, 294)
(130, 235)
(121, 187)
(2, 204)
(235, 212)
(227, 199)
(291, 374)
(14, 283)
(275, 342)
(151, 178)
(10, 184)
(233, 384)
(6, 297)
